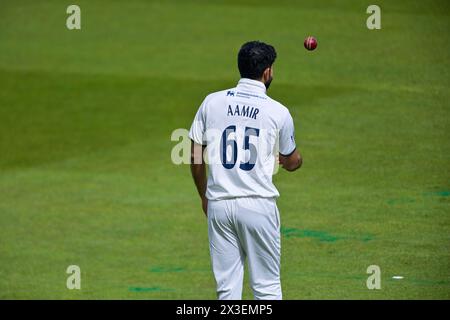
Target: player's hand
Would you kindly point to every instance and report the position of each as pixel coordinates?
(205, 205)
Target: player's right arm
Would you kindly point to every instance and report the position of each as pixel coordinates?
(289, 156)
(198, 171)
(198, 144)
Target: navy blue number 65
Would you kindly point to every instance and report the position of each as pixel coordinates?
(225, 142)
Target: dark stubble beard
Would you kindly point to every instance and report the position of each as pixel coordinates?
(268, 82)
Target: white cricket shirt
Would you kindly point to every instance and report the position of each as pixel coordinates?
(243, 129)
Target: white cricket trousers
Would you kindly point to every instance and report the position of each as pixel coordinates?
(243, 228)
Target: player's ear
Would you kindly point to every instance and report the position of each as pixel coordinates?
(267, 73)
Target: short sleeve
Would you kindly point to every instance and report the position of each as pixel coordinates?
(287, 136)
(198, 127)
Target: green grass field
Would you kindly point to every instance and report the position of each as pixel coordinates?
(86, 117)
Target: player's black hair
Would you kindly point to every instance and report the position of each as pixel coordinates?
(254, 57)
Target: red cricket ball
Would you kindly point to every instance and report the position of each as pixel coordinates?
(310, 43)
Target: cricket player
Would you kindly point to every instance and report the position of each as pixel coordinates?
(242, 134)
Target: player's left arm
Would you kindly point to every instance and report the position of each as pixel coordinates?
(291, 162)
(198, 171)
(289, 156)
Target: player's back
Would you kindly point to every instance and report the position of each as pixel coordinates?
(244, 130)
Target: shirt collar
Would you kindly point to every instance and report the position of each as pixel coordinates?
(251, 85)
